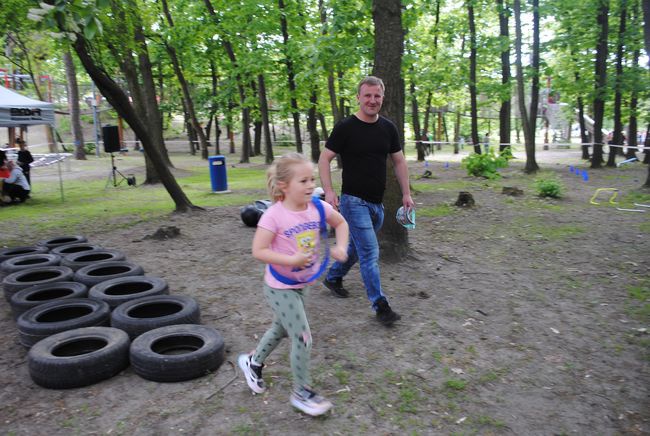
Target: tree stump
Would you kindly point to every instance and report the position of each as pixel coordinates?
(511, 190)
(465, 199)
(164, 233)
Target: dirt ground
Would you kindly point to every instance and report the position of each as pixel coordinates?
(516, 319)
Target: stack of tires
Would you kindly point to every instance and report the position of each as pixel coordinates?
(85, 313)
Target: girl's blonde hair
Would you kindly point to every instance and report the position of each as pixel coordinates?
(282, 171)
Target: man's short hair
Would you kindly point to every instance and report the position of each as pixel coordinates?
(371, 81)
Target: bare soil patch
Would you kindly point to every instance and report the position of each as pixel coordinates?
(516, 319)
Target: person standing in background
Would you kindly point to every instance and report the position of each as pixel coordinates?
(24, 159)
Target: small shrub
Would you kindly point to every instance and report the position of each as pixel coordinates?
(484, 165)
(89, 148)
(549, 188)
(507, 153)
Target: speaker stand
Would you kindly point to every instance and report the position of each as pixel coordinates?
(113, 174)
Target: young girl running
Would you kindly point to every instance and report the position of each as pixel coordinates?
(287, 240)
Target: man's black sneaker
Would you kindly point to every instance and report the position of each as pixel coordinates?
(385, 314)
(337, 288)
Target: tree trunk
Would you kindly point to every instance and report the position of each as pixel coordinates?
(646, 40)
(584, 136)
(323, 126)
(185, 89)
(264, 110)
(504, 111)
(427, 113)
(632, 128)
(342, 111)
(415, 118)
(150, 102)
(120, 102)
(617, 137)
(600, 83)
(457, 134)
(49, 130)
(312, 126)
(528, 117)
(213, 107)
(531, 163)
(389, 48)
(472, 78)
(288, 61)
(257, 137)
(73, 104)
(331, 88)
(245, 110)
(229, 127)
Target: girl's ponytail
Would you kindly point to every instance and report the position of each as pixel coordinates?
(271, 183)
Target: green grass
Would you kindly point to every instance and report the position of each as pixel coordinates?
(486, 421)
(455, 384)
(457, 185)
(641, 296)
(409, 398)
(341, 374)
(535, 229)
(90, 204)
(644, 227)
(627, 202)
(435, 211)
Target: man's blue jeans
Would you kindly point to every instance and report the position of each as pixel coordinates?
(365, 219)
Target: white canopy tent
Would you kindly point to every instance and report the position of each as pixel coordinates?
(17, 110)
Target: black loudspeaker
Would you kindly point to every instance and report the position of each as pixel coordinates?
(111, 137)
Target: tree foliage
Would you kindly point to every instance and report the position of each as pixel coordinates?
(224, 48)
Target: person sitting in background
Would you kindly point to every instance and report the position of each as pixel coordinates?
(4, 171)
(15, 187)
(24, 159)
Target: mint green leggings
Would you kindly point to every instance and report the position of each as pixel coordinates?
(289, 319)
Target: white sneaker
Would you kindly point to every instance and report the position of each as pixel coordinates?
(310, 402)
(252, 372)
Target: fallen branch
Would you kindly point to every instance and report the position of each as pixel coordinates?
(227, 383)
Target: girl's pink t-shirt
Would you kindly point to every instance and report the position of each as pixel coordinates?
(294, 231)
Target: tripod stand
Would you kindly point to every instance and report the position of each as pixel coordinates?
(112, 175)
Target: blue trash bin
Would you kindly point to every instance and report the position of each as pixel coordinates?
(218, 173)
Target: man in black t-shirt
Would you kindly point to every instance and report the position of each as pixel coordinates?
(364, 140)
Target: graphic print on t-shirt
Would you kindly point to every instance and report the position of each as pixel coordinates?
(306, 243)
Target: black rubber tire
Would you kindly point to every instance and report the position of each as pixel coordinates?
(8, 253)
(58, 316)
(78, 357)
(123, 289)
(19, 280)
(90, 275)
(61, 240)
(27, 261)
(177, 352)
(147, 313)
(33, 296)
(84, 258)
(64, 250)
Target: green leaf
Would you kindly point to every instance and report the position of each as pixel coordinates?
(90, 29)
